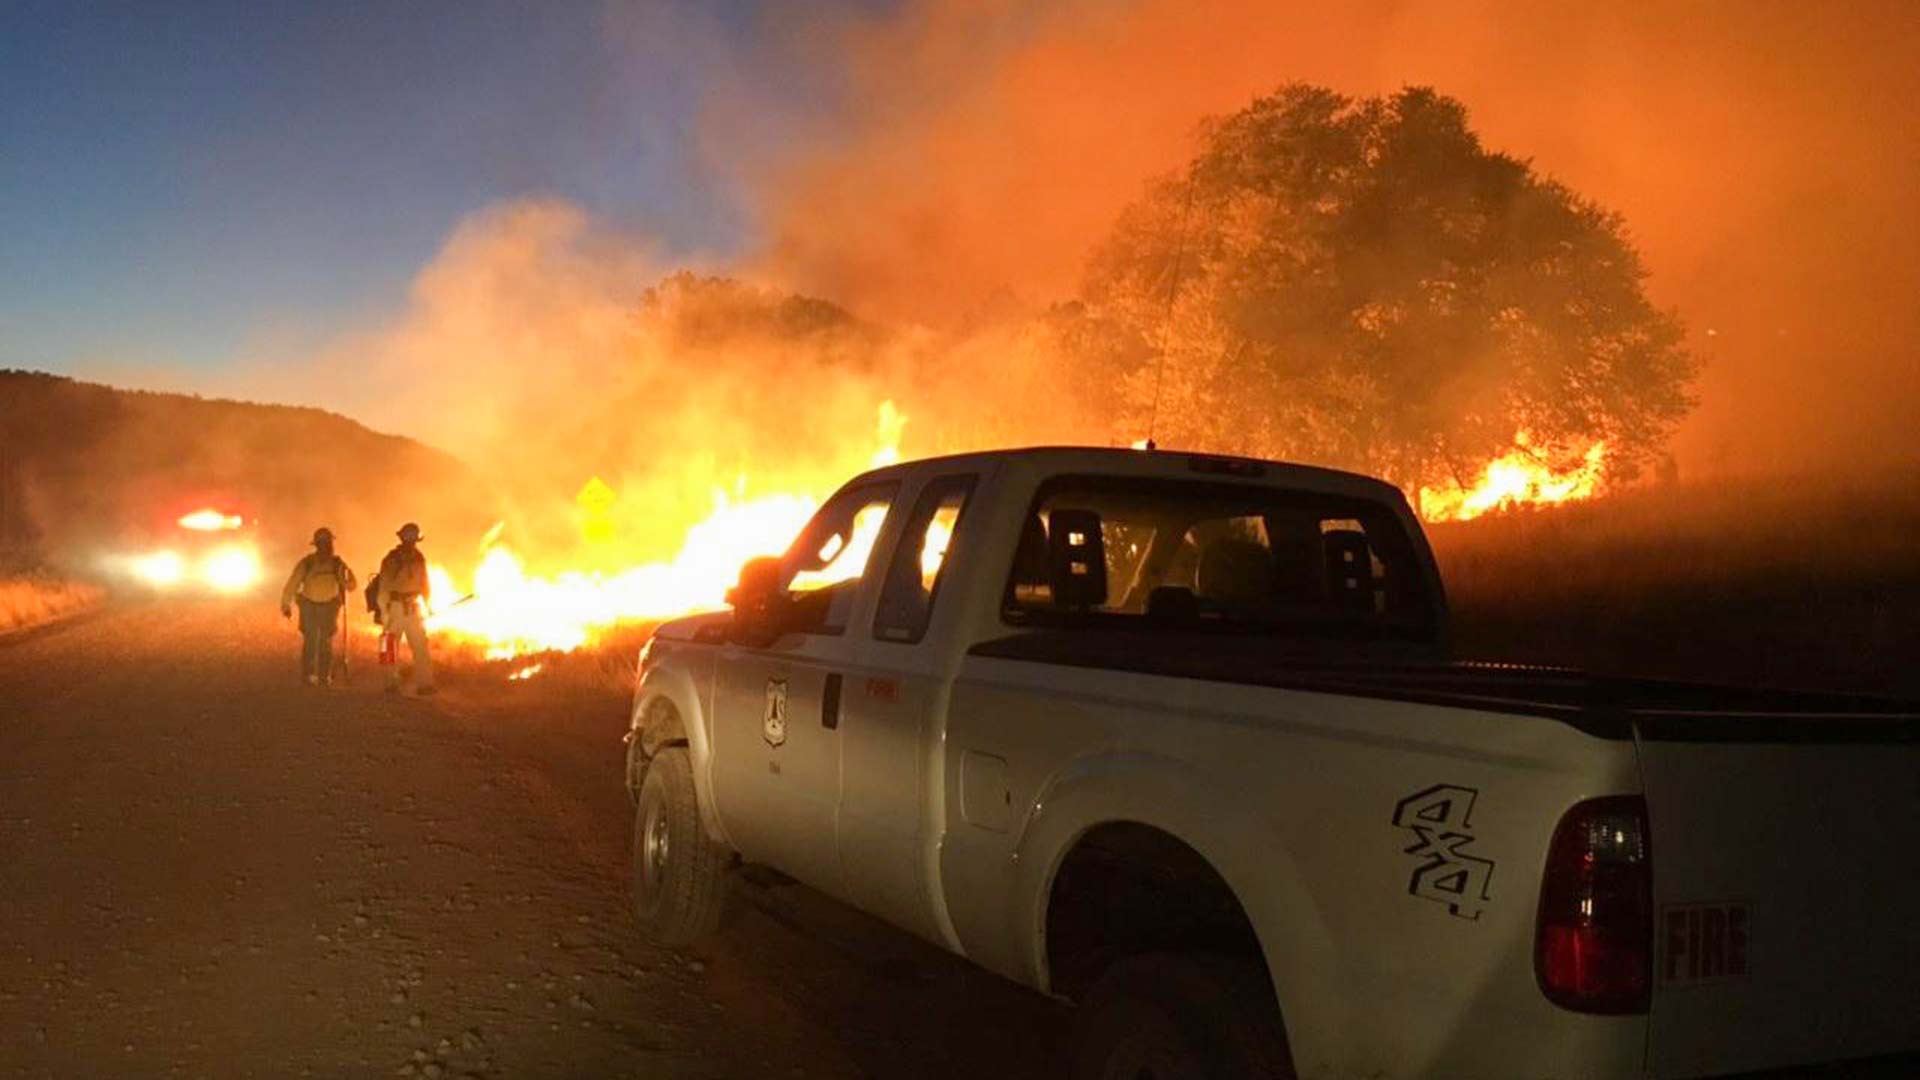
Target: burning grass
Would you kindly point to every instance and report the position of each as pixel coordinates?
(515, 613)
(600, 670)
(1808, 582)
(30, 599)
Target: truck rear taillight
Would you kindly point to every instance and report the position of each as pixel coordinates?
(1594, 939)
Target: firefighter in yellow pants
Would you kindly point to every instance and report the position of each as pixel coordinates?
(404, 591)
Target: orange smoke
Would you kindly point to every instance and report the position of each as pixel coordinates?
(1759, 153)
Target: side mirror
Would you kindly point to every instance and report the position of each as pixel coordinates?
(757, 601)
(759, 580)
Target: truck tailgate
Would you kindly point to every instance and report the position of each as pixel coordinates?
(1786, 883)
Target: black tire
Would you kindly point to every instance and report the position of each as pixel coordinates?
(1176, 1016)
(679, 873)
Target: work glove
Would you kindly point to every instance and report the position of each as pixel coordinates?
(286, 612)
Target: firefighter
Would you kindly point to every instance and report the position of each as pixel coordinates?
(404, 592)
(319, 583)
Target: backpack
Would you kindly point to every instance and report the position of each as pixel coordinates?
(316, 565)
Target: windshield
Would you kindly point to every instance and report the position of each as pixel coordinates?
(1176, 555)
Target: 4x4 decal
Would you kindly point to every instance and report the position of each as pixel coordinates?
(1440, 819)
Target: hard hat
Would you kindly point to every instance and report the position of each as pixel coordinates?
(409, 532)
(321, 534)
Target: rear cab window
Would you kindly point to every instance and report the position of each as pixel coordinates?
(913, 578)
(1195, 556)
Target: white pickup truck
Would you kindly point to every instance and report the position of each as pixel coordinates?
(1176, 737)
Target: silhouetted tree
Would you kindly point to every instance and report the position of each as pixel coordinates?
(1359, 282)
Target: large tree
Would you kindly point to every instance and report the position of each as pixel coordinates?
(1359, 282)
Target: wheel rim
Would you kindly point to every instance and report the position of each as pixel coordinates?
(656, 843)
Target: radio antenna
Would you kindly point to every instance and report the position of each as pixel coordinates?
(1166, 314)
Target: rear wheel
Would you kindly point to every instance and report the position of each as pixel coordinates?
(1173, 1016)
(679, 873)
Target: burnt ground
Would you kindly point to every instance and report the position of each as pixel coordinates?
(210, 870)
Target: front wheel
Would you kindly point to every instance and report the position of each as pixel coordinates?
(1170, 1016)
(679, 873)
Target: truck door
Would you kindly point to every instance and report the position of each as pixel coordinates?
(891, 708)
(776, 758)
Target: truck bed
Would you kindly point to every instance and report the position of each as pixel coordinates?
(1607, 707)
(1782, 831)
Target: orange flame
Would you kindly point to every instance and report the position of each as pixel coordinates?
(1519, 477)
(513, 613)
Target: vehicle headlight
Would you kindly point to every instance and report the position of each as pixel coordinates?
(160, 569)
(231, 569)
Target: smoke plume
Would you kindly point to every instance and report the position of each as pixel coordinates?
(545, 351)
(1762, 155)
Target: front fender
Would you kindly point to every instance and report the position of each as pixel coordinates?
(1228, 830)
(677, 686)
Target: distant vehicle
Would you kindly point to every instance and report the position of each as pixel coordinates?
(1176, 737)
(208, 548)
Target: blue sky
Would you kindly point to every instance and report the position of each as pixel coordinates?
(187, 184)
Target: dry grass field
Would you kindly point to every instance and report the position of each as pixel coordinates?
(28, 600)
(1805, 583)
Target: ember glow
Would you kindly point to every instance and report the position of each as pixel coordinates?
(1521, 477)
(512, 612)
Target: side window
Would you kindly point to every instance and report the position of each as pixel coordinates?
(913, 580)
(825, 566)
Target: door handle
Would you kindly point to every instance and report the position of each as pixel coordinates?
(830, 702)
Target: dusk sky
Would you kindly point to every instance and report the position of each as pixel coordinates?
(182, 184)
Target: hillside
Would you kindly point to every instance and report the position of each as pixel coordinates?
(84, 467)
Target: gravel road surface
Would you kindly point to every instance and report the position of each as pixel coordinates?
(210, 870)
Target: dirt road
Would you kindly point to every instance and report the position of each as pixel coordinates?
(212, 871)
